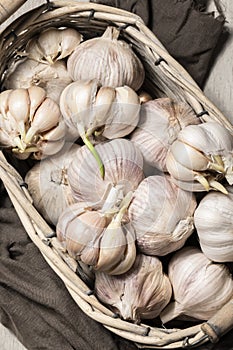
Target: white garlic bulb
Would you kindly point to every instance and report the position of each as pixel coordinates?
(105, 242)
(162, 215)
(53, 44)
(160, 122)
(122, 163)
(202, 155)
(213, 220)
(30, 123)
(48, 184)
(140, 293)
(109, 60)
(53, 79)
(200, 287)
(90, 108)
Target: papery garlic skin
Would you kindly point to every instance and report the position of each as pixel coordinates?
(202, 153)
(160, 122)
(53, 79)
(140, 293)
(213, 220)
(96, 239)
(53, 44)
(90, 109)
(48, 184)
(109, 60)
(123, 165)
(162, 215)
(200, 287)
(30, 123)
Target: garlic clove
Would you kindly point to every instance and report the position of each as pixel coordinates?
(53, 44)
(115, 62)
(112, 248)
(55, 134)
(189, 157)
(4, 100)
(19, 107)
(76, 104)
(177, 170)
(44, 149)
(102, 105)
(129, 254)
(41, 122)
(124, 113)
(36, 95)
(70, 39)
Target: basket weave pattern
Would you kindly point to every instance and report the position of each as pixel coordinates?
(164, 77)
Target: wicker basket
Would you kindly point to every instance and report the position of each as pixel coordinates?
(164, 76)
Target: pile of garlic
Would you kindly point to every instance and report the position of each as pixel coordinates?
(119, 173)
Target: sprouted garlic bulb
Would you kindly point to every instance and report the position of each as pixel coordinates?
(101, 239)
(26, 73)
(48, 184)
(109, 60)
(201, 156)
(160, 122)
(213, 220)
(123, 172)
(200, 287)
(99, 111)
(140, 293)
(30, 123)
(53, 44)
(162, 215)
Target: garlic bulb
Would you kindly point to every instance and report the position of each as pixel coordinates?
(53, 79)
(140, 293)
(30, 123)
(202, 155)
(90, 108)
(160, 122)
(213, 220)
(200, 287)
(53, 44)
(162, 215)
(109, 60)
(123, 172)
(48, 184)
(102, 240)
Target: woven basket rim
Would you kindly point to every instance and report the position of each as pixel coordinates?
(38, 230)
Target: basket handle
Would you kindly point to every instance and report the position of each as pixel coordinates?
(220, 323)
(8, 7)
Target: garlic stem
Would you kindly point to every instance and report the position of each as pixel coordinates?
(217, 167)
(110, 200)
(50, 59)
(218, 159)
(126, 200)
(200, 178)
(124, 206)
(18, 142)
(218, 186)
(94, 153)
